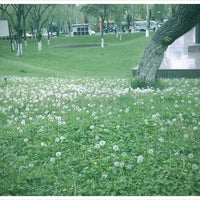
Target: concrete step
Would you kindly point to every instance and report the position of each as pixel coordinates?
(175, 73)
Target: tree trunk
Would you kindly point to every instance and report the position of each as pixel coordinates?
(19, 49)
(102, 36)
(19, 42)
(186, 17)
(39, 41)
(39, 45)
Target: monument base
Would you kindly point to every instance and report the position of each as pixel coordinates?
(175, 73)
(194, 48)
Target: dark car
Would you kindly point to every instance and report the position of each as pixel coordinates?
(110, 29)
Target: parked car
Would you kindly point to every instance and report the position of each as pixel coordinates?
(45, 35)
(110, 29)
(142, 25)
(91, 32)
(28, 35)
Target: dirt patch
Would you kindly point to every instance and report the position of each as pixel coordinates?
(80, 46)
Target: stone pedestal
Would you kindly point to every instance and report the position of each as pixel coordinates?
(194, 48)
(181, 60)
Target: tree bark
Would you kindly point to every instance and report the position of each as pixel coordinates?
(186, 17)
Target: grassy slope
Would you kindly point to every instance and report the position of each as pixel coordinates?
(115, 60)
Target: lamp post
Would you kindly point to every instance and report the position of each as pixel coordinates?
(159, 19)
(148, 20)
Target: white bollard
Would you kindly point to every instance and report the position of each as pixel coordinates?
(102, 42)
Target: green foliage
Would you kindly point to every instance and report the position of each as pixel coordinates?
(159, 84)
(168, 40)
(135, 83)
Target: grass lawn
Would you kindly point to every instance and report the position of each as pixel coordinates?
(115, 60)
(71, 125)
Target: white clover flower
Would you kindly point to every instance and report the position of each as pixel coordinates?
(169, 122)
(58, 153)
(57, 139)
(96, 137)
(195, 166)
(193, 114)
(195, 128)
(176, 153)
(191, 155)
(160, 139)
(121, 164)
(62, 138)
(146, 122)
(25, 140)
(163, 129)
(91, 127)
(129, 167)
(20, 130)
(115, 148)
(186, 136)
(16, 111)
(102, 143)
(97, 146)
(110, 113)
(176, 105)
(116, 164)
(118, 126)
(23, 122)
(22, 167)
(174, 120)
(94, 114)
(140, 159)
(127, 110)
(154, 116)
(150, 151)
(52, 160)
(43, 144)
(104, 175)
(30, 165)
(123, 154)
(180, 115)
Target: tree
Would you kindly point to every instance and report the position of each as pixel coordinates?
(7, 15)
(70, 16)
(18, 13)
(25, 11)
(99, 10)
(185, 18)
(118, 16)
(40, 16)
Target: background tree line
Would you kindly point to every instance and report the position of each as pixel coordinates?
(59, 18)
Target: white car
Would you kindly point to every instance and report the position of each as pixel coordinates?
(142, 25)
(28, 35)
(91, 32)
